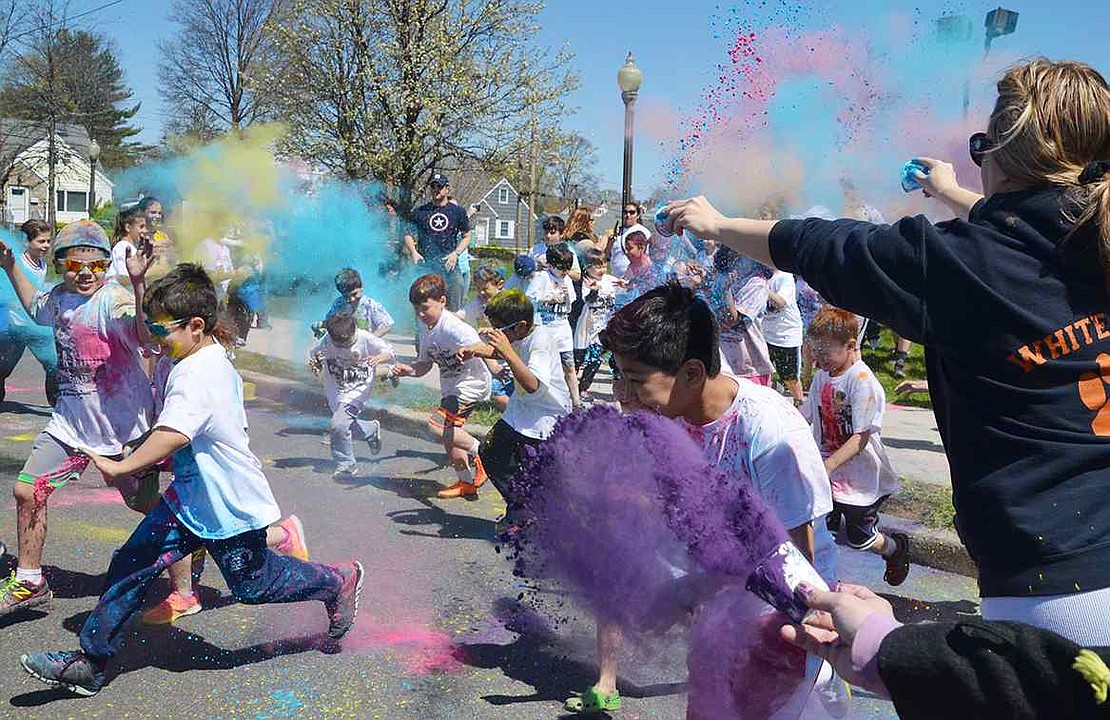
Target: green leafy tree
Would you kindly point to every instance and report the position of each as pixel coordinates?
(392, 89)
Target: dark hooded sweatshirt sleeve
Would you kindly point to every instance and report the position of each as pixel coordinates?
(975, 669)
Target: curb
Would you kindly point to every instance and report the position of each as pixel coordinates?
(939, 549)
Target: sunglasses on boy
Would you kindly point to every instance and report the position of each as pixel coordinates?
(162, 329)
(979, 145)
(94, 266)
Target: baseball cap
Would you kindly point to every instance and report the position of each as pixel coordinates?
(439, 179)
(524, 265)
(83, 233)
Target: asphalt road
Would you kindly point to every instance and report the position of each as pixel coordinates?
(442, 632)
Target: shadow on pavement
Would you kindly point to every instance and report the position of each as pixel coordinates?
(541, 660)
(15, 408)
(912, 610)
(900, 444)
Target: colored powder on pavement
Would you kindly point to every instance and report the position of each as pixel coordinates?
(627, 513)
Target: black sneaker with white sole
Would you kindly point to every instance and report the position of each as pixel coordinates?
(71, 670)
(375, 439)
(898, 564)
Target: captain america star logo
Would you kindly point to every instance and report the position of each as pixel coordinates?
(438, 222)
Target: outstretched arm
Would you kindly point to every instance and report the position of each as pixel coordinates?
(24, 290)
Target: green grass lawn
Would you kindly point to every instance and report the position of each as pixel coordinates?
(881, 362)
(928, 504)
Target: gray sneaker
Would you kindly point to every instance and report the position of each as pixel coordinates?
(18, 595)
(343, 609)
(71, 670)
(375, 439)
(345, 473)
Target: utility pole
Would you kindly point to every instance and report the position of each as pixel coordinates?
(532, 183)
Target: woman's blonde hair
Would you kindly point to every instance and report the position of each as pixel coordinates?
(580, 222)
(1051, 122)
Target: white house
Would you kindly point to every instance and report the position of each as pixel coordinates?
(24, 171)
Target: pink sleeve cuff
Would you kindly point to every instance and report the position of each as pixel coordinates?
(865, 651)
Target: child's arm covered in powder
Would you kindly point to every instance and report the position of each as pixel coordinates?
(24, 289)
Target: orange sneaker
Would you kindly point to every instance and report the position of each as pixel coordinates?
(459, 489)
(480, 476)
(173, 607)
(293, 544)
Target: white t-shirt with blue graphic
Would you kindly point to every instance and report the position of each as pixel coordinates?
(218, 490)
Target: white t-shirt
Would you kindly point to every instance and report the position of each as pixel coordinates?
(743, 344)
(535, 414)
(369, 313)
(474, 312)
(552, 297)
(618, 258)
(762, 437)
(468, 380)
(218, 489)
(783, 327)
(104, 397)
(215, 256)
(839, 407)
(539, 253)
(118, 269)
(348, 377)
(601, 301)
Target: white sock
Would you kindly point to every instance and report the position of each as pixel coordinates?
(465, 475)
(31, 576)
(890, 547)
(473, 449)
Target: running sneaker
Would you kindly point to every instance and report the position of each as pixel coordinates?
(459, 489)
(480, 476)
(72, 670)
(343, 609)
(16, 595)
(345, 473)
(293, 545)
(899, 369)
(898, 564)
(375, 439)
(173, 607)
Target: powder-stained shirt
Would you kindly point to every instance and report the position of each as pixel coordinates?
(839, 407)
(743, 343)
(763, 439)
(534, 414)
(552, 297)
(369, 314)
(348, 376)
(468, 380)
(104, 397)
(601, 303)
(218, 490)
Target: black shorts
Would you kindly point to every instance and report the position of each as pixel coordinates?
(502, 452)
(858, 525)
(786, 361)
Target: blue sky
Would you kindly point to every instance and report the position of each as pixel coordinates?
(673, 42)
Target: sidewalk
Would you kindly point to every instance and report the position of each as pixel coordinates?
(910, 434)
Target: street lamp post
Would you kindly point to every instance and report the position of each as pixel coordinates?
(999, 22)
(94, 157)
(629, 79)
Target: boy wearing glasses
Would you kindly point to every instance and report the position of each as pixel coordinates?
(104, 397)
(542, 397)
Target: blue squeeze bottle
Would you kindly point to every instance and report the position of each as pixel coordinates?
(661, 222)
(909, 181)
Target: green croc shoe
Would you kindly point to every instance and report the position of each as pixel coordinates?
(592, 701)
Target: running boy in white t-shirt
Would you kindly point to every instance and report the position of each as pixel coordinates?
(463, 383)
(552, 293)
(104, 398)
(219, 498)
(542, 395)
(599, 293)
(782, 329)
(369, 314)
(665, 344)
(348, 357)
(845, 406)
(489, 279)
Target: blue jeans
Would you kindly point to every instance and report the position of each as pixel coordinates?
(255, 575)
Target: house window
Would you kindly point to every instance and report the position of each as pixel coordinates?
(503, 195)
(70, 201)
(506, 229)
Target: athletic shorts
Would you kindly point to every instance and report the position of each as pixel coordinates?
(786, 360)
(859, 526)
(502, 453)
(53, 464)
(452, 412)
(502, 384)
